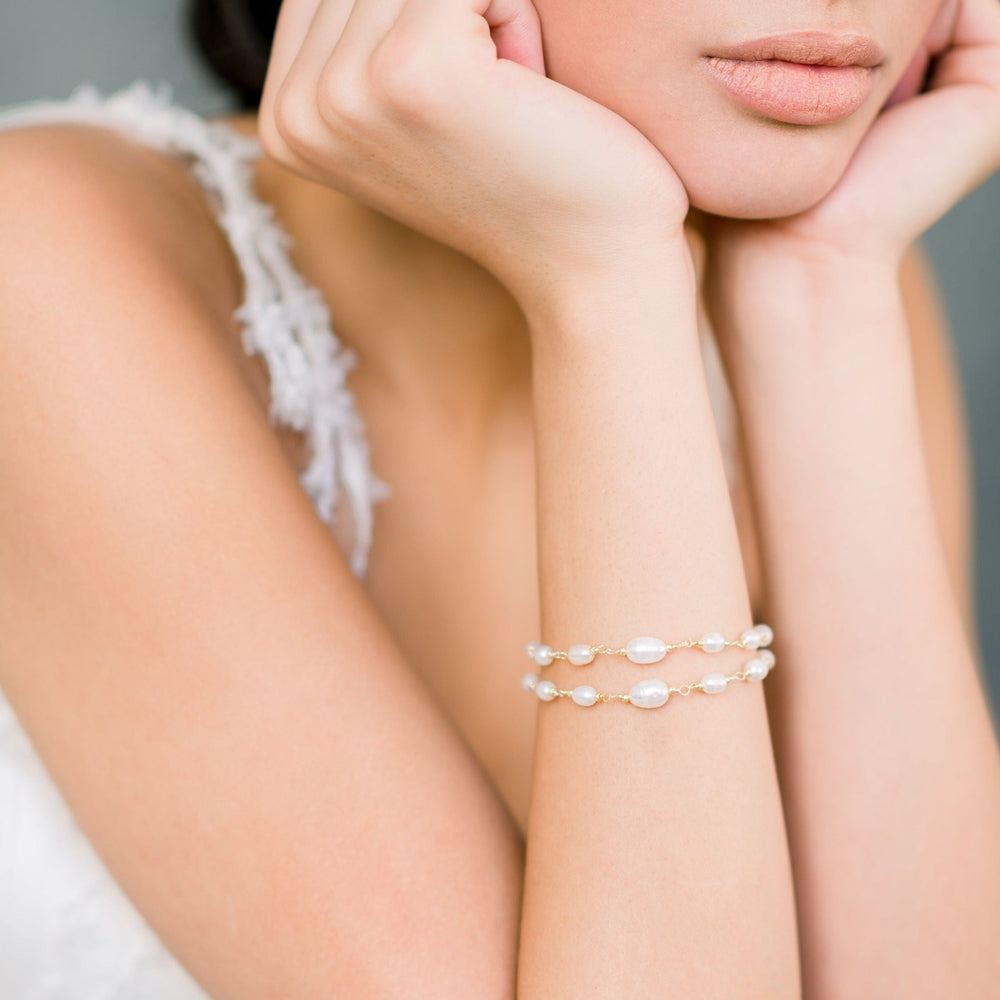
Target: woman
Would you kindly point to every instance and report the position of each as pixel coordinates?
(311, 767)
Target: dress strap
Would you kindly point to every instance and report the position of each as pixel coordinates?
(284, 318)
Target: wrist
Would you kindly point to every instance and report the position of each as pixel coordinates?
(765, 297)
(816, 332)
(634, 288)
(776, 272)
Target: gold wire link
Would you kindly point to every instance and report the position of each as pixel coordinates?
(602, 649)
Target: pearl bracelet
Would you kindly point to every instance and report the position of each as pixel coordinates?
(649, 649)
(651, 692)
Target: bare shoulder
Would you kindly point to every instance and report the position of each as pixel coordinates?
(84, 209)
(234, 726)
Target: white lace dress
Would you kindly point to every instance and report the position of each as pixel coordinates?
(67, 930)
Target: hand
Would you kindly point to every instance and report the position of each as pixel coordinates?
(438, 114)
(924, 152)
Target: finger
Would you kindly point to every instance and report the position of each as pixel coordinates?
(949, 136)
(317, 32)
(513, 25)
(450, 32)
(973, 57)
(331, 58)
(294, 22)
(517, 32)
(330, 70)
(977, 22)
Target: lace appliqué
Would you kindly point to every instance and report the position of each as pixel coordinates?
(284, 319)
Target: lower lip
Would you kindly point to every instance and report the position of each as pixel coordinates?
(795, 93)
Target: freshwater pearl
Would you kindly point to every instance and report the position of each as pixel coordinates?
(650, 693)
(580, 654)
(529, 650)
(767, 656)
(646, 649)
(528, 681)
(545, 690)
(755, 669)
(750, 638)
(714, 683)
(584, 695)
(712, 642)
(543, 655)
(765, 633)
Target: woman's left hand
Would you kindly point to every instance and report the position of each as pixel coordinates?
(923, 153)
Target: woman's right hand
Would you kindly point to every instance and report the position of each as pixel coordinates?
(438, 114)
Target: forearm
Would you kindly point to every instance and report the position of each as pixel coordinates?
(657, 860)
(888, 764)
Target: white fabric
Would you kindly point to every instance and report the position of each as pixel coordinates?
(285, 320)
(67, 930)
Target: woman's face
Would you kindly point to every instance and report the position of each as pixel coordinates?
(648, 60)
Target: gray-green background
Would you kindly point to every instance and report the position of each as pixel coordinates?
(49, 46)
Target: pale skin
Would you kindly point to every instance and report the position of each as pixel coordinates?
(310, 787)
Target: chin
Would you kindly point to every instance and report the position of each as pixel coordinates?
(757, 175)
(746, 200)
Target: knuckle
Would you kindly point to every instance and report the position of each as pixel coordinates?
(272, 141)
(340, 99)
(402, 75)
(291, 125)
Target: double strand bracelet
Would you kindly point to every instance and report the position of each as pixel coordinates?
(651, 692)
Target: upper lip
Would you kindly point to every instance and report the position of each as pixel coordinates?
(817, 48)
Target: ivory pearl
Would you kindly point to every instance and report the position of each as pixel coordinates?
(765, 633)
(528, 681)
(714, 683)
(580, 654)
(767, 656)
(750, 638)
(584, 695)
(529, 650)
(543, 655)
(712, 642)
(546, 690)
(646, 649)
(649, 693)
(755, 669)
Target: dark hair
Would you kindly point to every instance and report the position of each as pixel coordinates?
(235, 36)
